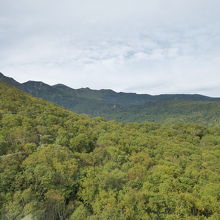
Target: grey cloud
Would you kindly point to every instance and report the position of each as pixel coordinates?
(127, 45)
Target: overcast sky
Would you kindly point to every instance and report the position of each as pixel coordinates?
(143, 46)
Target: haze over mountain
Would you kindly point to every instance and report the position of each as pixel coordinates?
(126, 107)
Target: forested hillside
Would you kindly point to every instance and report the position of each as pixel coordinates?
(55, 165)
(127, 107)
(206, 113)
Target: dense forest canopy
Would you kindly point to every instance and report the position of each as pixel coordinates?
(200, 112)
(55, 164)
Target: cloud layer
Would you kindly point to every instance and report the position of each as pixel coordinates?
(153, 46)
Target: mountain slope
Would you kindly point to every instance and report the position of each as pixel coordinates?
(55, 164)
(126, 107)
(77, 100)
(59, 91)
(11, 81)
(170, 111)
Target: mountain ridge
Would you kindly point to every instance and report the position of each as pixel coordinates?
(146, 97)
(125, 107)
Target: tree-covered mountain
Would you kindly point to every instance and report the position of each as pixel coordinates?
(126, 107)
(169, 112)
(56, 165)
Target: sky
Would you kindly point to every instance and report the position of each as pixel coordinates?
(142, 46)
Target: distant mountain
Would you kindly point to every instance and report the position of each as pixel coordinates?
(11, 81)
(125, 106)
(83, 100)
(202, 112)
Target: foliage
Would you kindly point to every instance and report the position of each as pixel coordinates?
(201, 112)
(55, 164)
